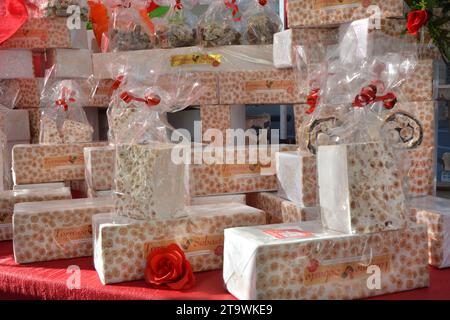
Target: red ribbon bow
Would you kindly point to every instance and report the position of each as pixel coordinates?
(368, 95)
(262, 2)
(64, 101)
(178, 5)
(234, 9)
(312, 99)
(150, 100)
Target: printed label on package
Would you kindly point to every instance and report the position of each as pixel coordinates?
(262, 86)
(190, 245)
(337, 4)
(335, 271)
(197, 58)
(288, 233)
(63, 236)
(64, 162)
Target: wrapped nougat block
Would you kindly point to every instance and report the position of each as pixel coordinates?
(41, 163)
(360, 188)
(74, 132)
(9, 198)
(435, 214)
(307, 262)
(314, 13)
(296, 175)
(235, 170)
(121, 246)
(53, 230)
(149, 184)
(99, 165)
(280, 210)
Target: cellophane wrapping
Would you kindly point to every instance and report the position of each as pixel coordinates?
(260, 22)
(58, 8)
(178, 28)
(63, 119)
(129, 28)
(220, 24)
(149, 182)
(361, 187)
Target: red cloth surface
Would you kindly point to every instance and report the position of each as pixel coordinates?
(47, 280)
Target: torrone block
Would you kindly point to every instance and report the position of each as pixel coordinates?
(149, 185)
(360, 188)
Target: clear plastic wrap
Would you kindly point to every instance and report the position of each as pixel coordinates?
(178, 28)
(221, 24)
(199, 234)
(130, 28)
(8, 199)
(53, 230)
(304, 261)
(149, 184)
(260, 22)
(59, 8)
(360, 182)
(63, 119)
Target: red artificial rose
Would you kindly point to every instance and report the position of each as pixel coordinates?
(416, 20)
(168, 268)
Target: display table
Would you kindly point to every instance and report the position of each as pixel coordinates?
(47, 280)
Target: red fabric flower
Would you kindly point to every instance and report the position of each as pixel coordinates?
(416, 20)
(13, 14)
(168, 268)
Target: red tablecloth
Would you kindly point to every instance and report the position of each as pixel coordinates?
(47, 280)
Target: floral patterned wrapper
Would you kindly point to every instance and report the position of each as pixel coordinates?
(49, 163)
(314, 13)
(47, 33)
(435, 214)
(280, 210)
(53, 230)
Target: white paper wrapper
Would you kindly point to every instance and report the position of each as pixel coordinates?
(122, 244)
(306, 262)
(53, 230)
(296, 176)
(435, 214)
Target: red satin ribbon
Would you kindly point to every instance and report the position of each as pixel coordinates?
(368, 96)
(232, 5)
(262, 2)
(63, 102)
(178, 5)
(150, 100)
(312, 99)
(116, 83)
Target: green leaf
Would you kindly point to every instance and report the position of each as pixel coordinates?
(89, 25)
(159, 12)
